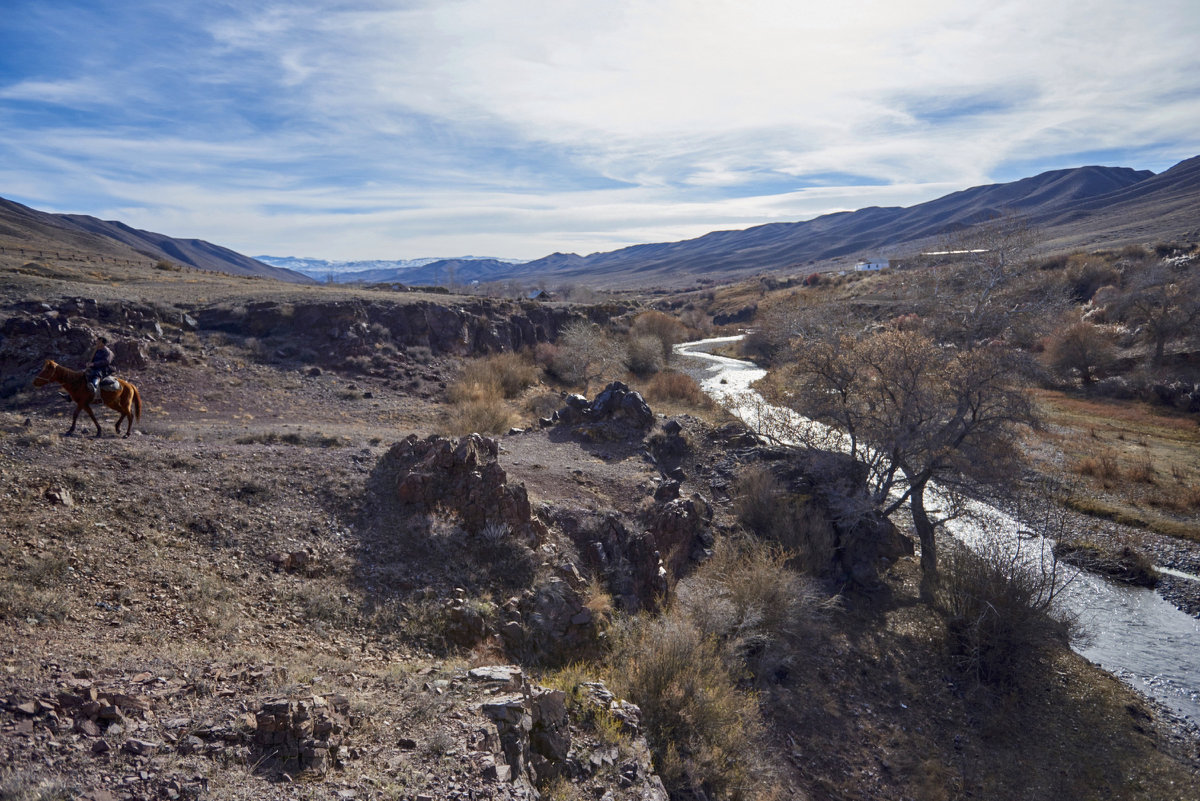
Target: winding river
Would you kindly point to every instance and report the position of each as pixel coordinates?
(1131, 632)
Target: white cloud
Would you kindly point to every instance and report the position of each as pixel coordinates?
(399, 129)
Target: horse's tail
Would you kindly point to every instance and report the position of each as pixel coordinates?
(137, 403)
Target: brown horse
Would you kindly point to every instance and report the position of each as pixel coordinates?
(125, 400)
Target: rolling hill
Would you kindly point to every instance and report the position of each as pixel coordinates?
(23, 229)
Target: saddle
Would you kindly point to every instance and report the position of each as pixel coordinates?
(109, 384)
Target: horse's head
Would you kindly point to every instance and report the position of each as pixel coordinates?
(46, 375)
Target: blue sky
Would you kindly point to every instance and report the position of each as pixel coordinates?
(360, 129)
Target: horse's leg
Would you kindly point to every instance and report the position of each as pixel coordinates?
(74, 421)
(92, 415)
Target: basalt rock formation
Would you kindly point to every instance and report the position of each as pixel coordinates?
(464, 478)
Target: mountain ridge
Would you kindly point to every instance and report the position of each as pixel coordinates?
(779, 245)
(22, 226)
(1077, 207)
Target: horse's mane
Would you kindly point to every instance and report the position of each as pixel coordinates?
(64, 374)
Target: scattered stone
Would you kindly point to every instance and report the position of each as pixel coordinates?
(139, 747)
(60, 496)
(509, 676)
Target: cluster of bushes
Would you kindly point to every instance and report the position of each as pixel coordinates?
(584, 357)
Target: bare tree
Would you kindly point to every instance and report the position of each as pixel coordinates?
(1165, 302)
(587, 354)
(912, 412)
(988, 290)
(1080, 348)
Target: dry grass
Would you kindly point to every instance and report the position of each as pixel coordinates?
(1139, 464)
(478, 397)
(479, 416)
(706, 732)
(673, 386)
(768, 510)
(506, 375)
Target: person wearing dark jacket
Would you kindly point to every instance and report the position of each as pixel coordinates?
(101, 364)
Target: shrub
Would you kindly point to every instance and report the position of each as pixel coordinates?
(29, 786)
(479, 416)
(420, 354)
(1086, 275)
(664, 329)
(673, 386)
(756, 606)
(792, 521)
(1102, 465)
(644, 355)
(509, 373)
(1142, 470)
(706, 733)
(1002, 609)
(1081, 348)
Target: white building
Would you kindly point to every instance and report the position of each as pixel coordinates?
(871, 265)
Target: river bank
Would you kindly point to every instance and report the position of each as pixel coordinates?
(1135, 633)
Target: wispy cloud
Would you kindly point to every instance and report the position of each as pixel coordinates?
(368, 128)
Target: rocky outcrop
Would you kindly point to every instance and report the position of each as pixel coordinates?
(541, 737)
(551, 622)
(464, 478)
(300, 735)
(617, 414)
(682, 530)
(635, 562)
(27, 340)
(339, 327)
(863, 541)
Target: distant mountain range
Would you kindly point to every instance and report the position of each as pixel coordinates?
(1081, 207)
(433, 271)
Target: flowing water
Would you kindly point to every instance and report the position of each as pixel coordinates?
(1132, 631)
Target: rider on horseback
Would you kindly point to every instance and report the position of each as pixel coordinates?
(101, 365)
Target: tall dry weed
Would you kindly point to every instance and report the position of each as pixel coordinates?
(505, 375)
(674, 386)
(706, 732)
(790, 520)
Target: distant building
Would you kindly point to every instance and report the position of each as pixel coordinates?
(872, 265)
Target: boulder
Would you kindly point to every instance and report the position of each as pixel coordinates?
(464, 477)
(617, 413)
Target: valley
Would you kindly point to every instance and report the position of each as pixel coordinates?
(305, 575)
